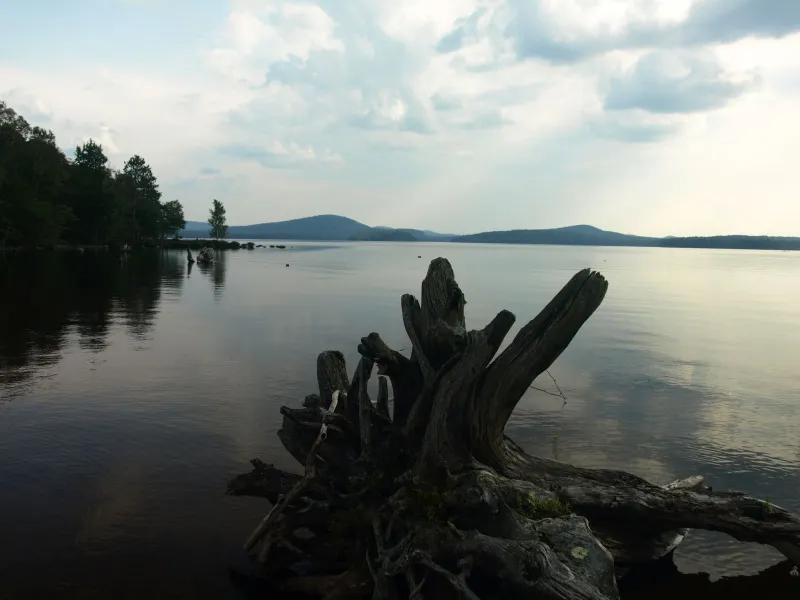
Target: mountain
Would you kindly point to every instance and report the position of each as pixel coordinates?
(586, 235)
(733, 242)
(375, 234)
(574, 235)
(336, 228)
(320, 227)
(195, 227)
(422, 235)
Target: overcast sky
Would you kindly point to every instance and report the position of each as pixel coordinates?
(655, 117)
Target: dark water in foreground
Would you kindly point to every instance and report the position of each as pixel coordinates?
(130, 393)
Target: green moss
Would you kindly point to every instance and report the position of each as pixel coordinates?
(534, 507)
(579, 553)
(428, 502)
(768, 505)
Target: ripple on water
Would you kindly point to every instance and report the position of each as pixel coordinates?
(138, 389)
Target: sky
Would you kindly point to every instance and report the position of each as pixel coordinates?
(655, 117)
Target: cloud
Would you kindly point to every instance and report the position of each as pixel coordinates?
(635, 127)
(464, 29)
(277, 154)
(393, 111)
(723, 21)
(276, 31)
(488, 119)
(437, 110)
(443, 102)
(676, 82)
(32, 108)
(571, 30)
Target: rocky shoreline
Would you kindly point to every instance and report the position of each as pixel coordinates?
(171, 244)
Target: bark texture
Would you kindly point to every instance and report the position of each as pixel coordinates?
(432, 499)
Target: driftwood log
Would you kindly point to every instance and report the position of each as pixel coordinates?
(434, 501)
(205, 256)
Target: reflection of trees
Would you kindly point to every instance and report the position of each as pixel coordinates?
(172, 272)
(33, 310)
(48, 295)
(216, 272)
(94, 280)
(137, 291)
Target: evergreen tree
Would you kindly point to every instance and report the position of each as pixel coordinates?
(90, 195)
(45, 198)
(172, 220)
(33, 171)
(140, 198)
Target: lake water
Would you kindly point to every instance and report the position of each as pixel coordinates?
(131, 392)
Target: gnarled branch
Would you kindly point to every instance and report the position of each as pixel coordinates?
(382, 401)
(444, 439)
(331, 375)
(534, 349)
(284, 501)
(405, 374)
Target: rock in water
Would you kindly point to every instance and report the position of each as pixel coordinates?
(205, 256)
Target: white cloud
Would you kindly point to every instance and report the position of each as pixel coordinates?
(257, 34)
(458, 115)
(677, 82)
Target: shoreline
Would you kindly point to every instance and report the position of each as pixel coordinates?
(198, 243)
(181, 244)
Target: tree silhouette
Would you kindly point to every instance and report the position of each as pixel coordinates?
(45, 198)
(172, 220)
(218, 228)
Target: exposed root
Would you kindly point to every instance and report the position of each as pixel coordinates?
(293, 494)
(435, 501)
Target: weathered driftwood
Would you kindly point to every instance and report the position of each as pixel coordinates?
(435, 501)
(205, 256)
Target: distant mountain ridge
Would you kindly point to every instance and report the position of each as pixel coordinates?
(319, 228)
(587, 235)
(338, 228)
(574, 235)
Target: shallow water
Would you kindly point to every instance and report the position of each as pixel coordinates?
(130, 393)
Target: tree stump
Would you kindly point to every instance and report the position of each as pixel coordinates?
(205, 256)
(436, 501)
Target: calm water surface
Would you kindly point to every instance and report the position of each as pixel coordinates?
(130, 393)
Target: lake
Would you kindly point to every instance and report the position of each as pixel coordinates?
(131, 392)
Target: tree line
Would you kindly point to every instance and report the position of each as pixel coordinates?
(47, 198)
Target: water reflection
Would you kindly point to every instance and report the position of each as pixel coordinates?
(51, 295)
(215, 272)
(145, 384)
(663, 581)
